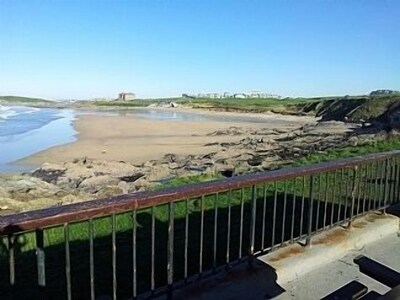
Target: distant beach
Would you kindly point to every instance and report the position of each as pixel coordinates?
(139, 135)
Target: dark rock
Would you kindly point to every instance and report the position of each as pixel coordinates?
(255, 161)
(50, 176)
(131, 178)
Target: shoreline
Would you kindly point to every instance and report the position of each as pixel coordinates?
(117, 155)
(138, 139)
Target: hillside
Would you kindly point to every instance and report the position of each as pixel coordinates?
(22, 100)
(355, 109)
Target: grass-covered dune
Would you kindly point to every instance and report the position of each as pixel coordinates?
(22, 100)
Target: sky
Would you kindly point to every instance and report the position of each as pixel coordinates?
(59, 49)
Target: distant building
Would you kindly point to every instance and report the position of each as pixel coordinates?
(126, 96)
(240, 96)
(213, 96)
(188, 96)
(253, 94)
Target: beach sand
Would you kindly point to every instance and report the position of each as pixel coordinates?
(136, 140)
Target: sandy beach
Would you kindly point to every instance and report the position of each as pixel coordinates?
(135, 140)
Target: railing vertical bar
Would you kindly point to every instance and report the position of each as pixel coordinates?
(284, 212)
(185, 254)
(310, 212)
(333, 202)
(67, 261)
(360, 175)
(241, 223)
(201, 235)
(318, 202)
(353, 194)
(340, 195)
(303, 191)
(371, 186)
(253, 219)
(153, 228)
(382, 185)
(346, 199)
(376, 185)
(263, 217)
(325, 200)
(41, 258)
(91, 260)
(391, 181)
(387, 187)
(365, 188)
(11, 259)
(228, 232)
(170, 251)
(134, 254)
(114, 254)
(397, 185)
(293, 211)
(215, 231)
(274, 215)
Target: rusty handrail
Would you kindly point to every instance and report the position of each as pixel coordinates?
(96, 208)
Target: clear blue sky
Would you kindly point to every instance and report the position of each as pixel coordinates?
(84, 49)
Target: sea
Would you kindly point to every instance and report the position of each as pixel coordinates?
(28, 130)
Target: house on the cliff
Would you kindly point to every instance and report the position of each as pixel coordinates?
(126, 96)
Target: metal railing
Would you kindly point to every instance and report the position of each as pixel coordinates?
(152, 242)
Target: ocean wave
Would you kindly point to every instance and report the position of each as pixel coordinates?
(12, 111)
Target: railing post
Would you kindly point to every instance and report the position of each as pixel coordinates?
(310, 212)
(134, 254)
(11, 259)
(170, 254)
(41, 265)
(114, 254)
(67, 261)
(353, 195)
(252, 222)
(386, 191)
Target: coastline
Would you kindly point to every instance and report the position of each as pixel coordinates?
(127, 153)
(136, 139)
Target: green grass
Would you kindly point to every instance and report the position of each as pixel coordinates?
(227, 104)
(378, 146)
(289, 105)
(128, 104)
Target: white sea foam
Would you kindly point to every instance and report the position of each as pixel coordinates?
(11, 111)
(6, 112)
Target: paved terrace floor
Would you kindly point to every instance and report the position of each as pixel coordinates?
(328, 278)
(260, 280)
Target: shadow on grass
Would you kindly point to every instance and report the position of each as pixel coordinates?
(288, 226)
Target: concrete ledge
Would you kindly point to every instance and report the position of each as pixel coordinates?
(295, 260)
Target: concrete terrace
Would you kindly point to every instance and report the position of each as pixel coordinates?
(296, 272)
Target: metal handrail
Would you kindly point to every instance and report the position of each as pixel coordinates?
(95, 208)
